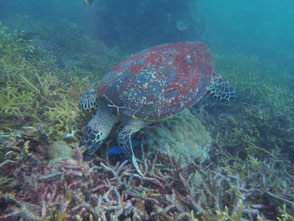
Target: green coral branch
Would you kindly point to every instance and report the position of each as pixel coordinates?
(285, 215)
(30, 84)
(236, 216)
(32, 90)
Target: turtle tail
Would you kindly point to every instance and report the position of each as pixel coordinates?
(221, 89)
(124, 141)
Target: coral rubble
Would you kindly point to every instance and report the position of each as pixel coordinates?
(71, 189)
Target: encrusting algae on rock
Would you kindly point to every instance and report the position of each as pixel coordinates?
(59, 151)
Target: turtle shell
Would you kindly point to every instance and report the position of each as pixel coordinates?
(158, 82)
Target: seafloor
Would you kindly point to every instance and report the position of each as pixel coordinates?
(246, 172)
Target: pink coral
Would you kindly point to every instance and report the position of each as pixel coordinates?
(32, 189)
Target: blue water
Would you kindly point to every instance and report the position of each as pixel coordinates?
(253, 27)
(258, 34)
(263, 28)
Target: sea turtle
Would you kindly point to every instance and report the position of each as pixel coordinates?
(151, 85)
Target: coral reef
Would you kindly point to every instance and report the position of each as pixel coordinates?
(69, 44)
(256, 128)
(32, 189)
(261, 119)
(258, 82)
(182, 137)
(250, 142)
(36, 92)
(31, 90)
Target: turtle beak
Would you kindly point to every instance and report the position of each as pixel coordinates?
(88, 157)
(91, 150)
(89, 154)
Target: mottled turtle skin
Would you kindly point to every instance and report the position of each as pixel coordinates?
(151, 85)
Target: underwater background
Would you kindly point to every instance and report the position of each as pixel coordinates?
(216, 161)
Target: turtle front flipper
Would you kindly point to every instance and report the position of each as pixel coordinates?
(124, 141)
(98, 128)
(89, 99)
(221, 88)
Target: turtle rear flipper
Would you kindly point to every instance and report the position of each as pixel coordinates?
(124, 141)
(221, 88)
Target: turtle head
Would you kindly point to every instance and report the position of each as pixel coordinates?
(98, 128)
(89, 99)
(92, 139)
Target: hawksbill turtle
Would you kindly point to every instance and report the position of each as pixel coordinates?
(152, 85)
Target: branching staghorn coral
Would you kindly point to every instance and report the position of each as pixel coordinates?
(73, 188)
(33, 92)
(34, 88)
